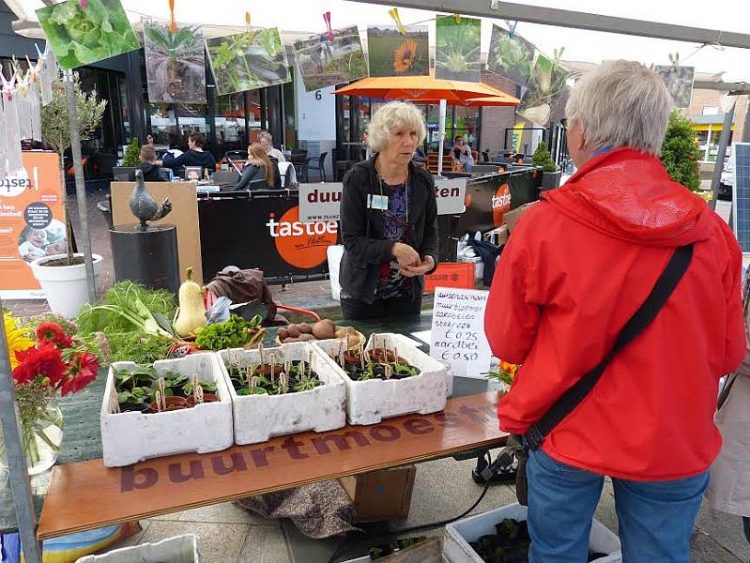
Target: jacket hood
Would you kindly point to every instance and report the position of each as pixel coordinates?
(629, 195)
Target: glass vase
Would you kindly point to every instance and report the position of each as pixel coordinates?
(42, 437)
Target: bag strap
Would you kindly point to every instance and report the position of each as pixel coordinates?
(569, 400)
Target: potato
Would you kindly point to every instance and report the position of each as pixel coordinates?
(306, 337)
(323, 330)
(282, 334)
(289, 339)
(304, 328)
(293, 331)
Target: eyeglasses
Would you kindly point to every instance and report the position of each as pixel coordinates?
(564, 123)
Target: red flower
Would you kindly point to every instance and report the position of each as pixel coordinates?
(53, 332)
(44, 361)
(82, 370)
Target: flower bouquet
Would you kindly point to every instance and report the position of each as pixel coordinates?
(46, 361)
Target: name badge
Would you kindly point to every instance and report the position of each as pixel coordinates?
(377, 201)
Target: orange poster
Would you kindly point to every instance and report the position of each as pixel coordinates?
(32, 223)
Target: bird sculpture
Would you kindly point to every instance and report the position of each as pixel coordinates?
(143, 206)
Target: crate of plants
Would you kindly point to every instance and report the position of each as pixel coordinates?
(389, 377)
(501, 536)
(168, 407)
(282, 390)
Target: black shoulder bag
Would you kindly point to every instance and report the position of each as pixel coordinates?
(519, 445)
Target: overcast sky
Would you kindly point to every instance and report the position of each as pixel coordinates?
(306, 15)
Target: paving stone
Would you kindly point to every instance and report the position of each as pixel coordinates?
(265, 544)
(705, 549)
(220, 542)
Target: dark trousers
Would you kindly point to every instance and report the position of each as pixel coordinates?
(402, 306)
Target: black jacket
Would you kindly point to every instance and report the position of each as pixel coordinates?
(190, 158)
(150, 172)
(362, 228)
(249, 174)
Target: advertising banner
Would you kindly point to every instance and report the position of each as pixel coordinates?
(321, 202)
(32, 223)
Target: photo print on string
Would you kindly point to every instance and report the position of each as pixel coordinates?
(80, 36)
(458, 43)
(175, 63)
(546, 88)
(323, 62)
(679, 82)
(511, 56)
(247, 61)
(391, 53)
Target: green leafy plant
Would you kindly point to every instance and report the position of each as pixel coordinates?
(510, 56)
(680, 152)
(56, 131)
(132, 156)
(457, 48)
(543, 158)
(236, 332)
(82, 35)
(546, 87)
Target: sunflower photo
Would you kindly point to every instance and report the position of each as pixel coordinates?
(679, 82)
(175, 64)
(323, 62)
(393, 54)
(81, 36)
(458, 48)
(546, 87)
(511, 56)
(247, 61)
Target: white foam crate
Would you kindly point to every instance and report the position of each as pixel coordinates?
(179, 549)
(260, 417)
(130, 437)
(456, 538)
(369, 402)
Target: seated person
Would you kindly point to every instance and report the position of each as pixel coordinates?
(266, 141)
(257, 167)
(194, 156)
(463, 160)
(148, 164)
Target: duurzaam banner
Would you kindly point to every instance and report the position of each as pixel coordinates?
(32, 223)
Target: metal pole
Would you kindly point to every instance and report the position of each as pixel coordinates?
(441, 138)
(746, 126)
(19, 479)
(83, 217)
(719, 164)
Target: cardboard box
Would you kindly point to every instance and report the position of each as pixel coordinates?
(381, 495)
(512, 217)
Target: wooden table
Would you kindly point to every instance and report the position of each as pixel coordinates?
(87, 495)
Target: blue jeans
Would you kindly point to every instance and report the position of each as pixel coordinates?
(656, 518)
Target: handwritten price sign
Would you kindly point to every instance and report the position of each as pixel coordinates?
(457, 334)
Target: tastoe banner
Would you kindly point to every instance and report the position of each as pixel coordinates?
(321, 202)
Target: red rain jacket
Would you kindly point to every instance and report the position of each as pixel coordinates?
(578, 265)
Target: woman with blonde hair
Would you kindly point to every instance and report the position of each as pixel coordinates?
(388, 220)
(258, 167)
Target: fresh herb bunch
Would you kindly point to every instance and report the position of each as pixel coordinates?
(233, 333)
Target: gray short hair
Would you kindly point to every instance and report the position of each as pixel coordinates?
(391, 117)
(265, 135)
(621, 103)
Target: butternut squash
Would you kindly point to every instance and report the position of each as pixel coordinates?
(192, 313)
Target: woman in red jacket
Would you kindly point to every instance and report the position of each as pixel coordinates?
(578, 265)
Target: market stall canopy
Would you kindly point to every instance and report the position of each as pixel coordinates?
(428, 89)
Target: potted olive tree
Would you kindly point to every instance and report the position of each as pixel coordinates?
(63, 276)
(550, 174)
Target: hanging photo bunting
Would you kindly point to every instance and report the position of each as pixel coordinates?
(546, 88)
(325, 62)
(392, 53)
(511, 56)
(175, 63)
(246, 61)
(458, 48)
(81, 36)
(679, 82)
(48, 73)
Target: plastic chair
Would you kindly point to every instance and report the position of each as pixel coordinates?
(320, 167)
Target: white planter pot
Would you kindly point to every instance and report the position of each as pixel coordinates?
(260, 417)
(456, 538)
(368, 402)
(64, 286)
(130, 437)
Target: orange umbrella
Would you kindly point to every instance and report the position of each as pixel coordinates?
(428, 89)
